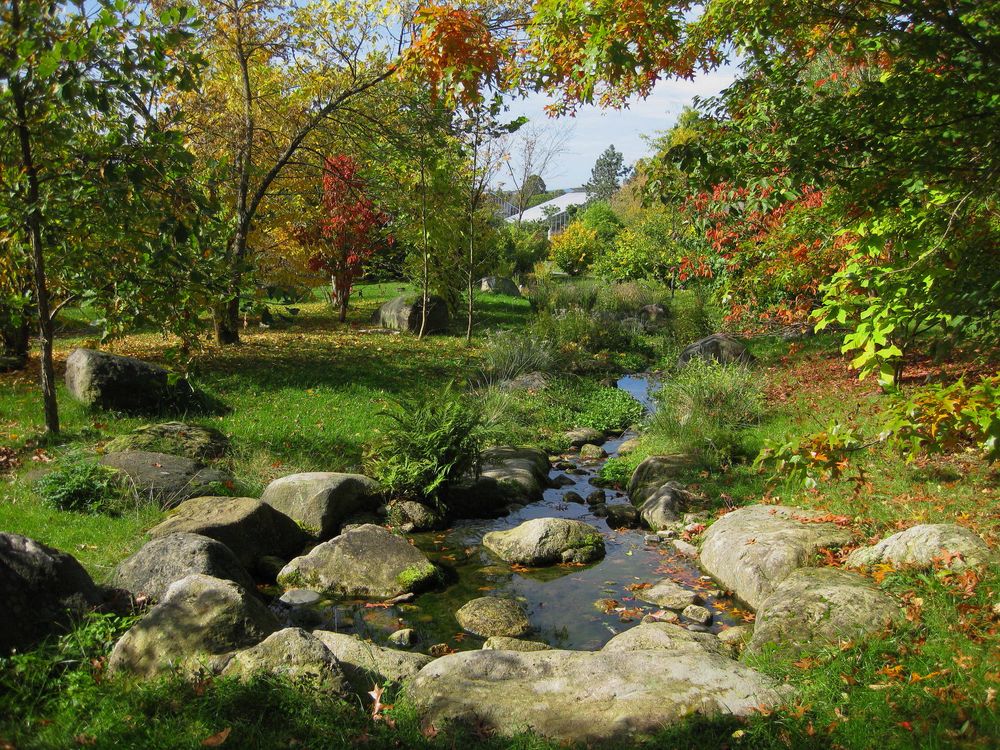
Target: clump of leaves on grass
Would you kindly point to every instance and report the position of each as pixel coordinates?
(79, 483)
(610, 410)
(431, 441)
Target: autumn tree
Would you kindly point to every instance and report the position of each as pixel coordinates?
(91, 169)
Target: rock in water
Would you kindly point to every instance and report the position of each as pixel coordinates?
(321, 501)
(109, 381)
(667, 594)
(42, 590)
(721, 347)
(404, 314)
(525, 471)
(295, 655)
(162, 561)
(653, 473)
(366, 561)
(199, 619)
(583, 696)
(174, 438)
(753, 549)
(547, 541)
(817, 607)
(492, 616)
(663, 508)
(164, 479)
(582, 436)
(920, 546)
(656, 636)
(250, 528)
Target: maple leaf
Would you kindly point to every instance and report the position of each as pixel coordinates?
(378, 707)
(217, 739)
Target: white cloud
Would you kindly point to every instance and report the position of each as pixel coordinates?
(596, 129)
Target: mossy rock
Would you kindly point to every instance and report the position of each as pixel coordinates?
(176, 438)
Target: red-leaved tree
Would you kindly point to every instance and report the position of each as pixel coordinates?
(350, 232)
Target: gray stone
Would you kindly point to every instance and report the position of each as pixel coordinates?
(592, 452)
(321, 501)
(573, 497)
(721, 347)
(163, 479)
(499, 285)
(652, 473)
(403, 638)
(918, 546)
(109, 381)
(524, 470)
(582, 696)
(622, 516)
(816, 607)
(299, 597)
(597, 497)
(490, 616)
(295, 655)
(654, 316)
(405, 312)
(662, 508)
(365, 663)
(735, 638)
(166, 559)
(561, 480)
(42, 591)
(367, 561)
(667, 594)
(414, 516)
(543, 541)
(628, 446)
(174, 438)
(198, 618)
(582, 436)
(697, 614)
(753, 549)
(505, 643)
(486, 497)
(684, 548)
(666, 636)
(530, 381)
(250, 528)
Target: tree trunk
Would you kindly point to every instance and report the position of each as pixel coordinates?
(425, 271)
(343, 309)
(34, 228)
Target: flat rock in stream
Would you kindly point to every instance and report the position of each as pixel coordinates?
(652, 636)
(489, 616)
(817, 607)
(668, 595)
(547, 541)
(586, 696)
(366, 561)
(753, 549)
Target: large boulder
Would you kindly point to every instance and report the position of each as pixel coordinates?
(816, 607)
(177, 438)
(652, 473)
(523, 470)
(921, 546)
(320, 501)
(721, 347)
(163, 479)
(41, 591)
(199, 620)
(547, 541)
(490, 615)
(499, 285)
(293, 654)
(250, 528)
(109, 381)
(162, 561)
(364, 663)
(585, 696)
(366, 561)
(665, 506)
(486, 497)
(654, 636)
(753, 549)
(506, 643)
(405, 312)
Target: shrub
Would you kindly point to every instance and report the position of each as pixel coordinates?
(575, 332)
(629, 298)
(430, 442)
(82, 485)
(508, 354)
(610, 410)
(706, 406)
(575, 248)
(603, 220)
(521, 247)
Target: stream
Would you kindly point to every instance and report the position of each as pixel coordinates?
(569, 606)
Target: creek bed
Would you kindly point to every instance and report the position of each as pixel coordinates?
(561, 600)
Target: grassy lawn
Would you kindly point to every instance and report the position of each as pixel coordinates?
(307, 395)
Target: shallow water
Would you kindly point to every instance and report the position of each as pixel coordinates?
(560, 600)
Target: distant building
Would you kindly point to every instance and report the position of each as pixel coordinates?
(556, 211)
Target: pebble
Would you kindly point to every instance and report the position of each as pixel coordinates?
(597, 497)
(403, 638)
(695, 628)
(697, 614)
(666, 533)
(299, 597)
(685, 548)
(573, 497)
(651, 539)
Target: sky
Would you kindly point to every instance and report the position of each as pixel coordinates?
(595, 129)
